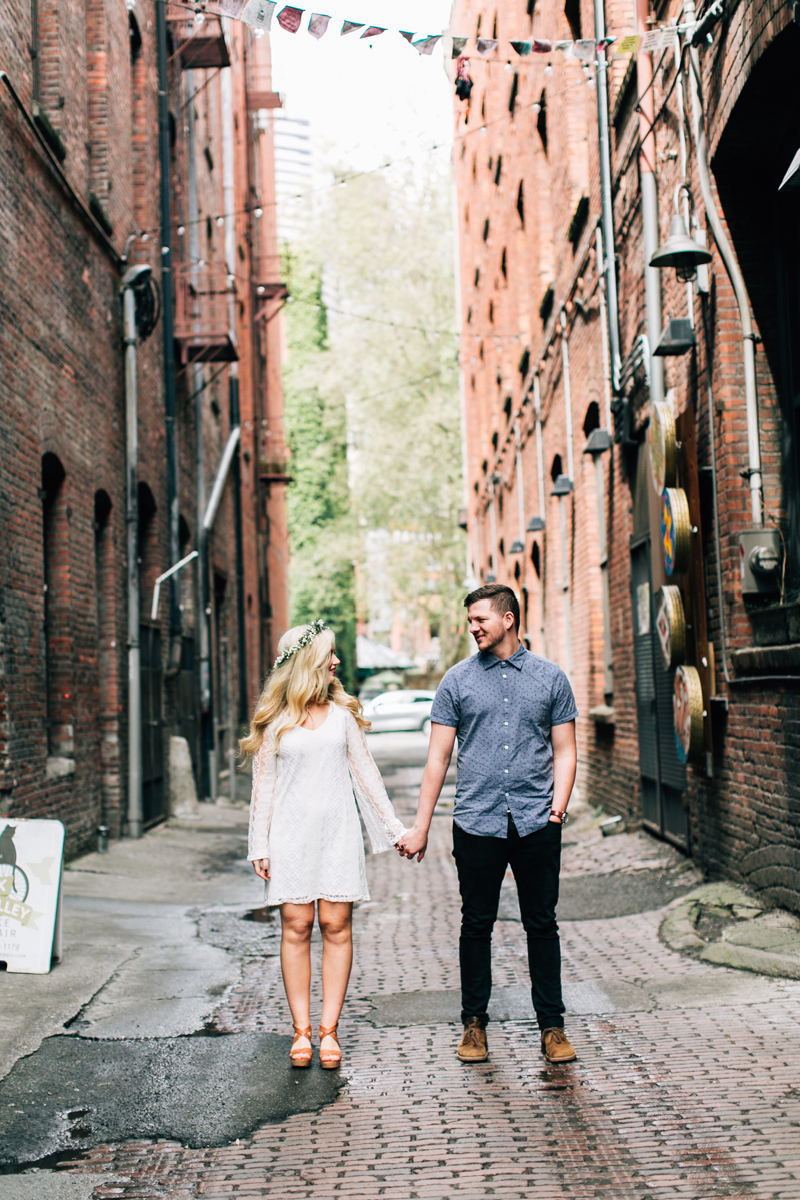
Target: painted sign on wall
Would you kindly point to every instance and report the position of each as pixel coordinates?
(31, 856)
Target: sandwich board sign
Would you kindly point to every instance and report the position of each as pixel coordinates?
(31, 858)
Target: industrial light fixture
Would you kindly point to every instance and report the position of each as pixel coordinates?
(562, 486)
(680, 251)
(599, 441)
(516, 547)
(535, 525)
(678, 338)
(491, 578)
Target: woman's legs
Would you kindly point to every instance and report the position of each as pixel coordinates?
(297, 922)
(336, 924)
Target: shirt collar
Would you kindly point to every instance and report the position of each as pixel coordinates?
(516, 660)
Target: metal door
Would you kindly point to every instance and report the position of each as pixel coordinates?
(152, 726)
(662, 775)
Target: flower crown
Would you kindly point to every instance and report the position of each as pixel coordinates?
(305, 640)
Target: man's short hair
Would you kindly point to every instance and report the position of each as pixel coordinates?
(501, 598)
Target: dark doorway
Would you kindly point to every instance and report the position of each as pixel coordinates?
(152, 725)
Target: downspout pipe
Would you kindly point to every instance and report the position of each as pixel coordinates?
(734, 274)
(647, 175)
(222, 474)
(167, 312)
(567, 394)
(609, 265)
(129, 280)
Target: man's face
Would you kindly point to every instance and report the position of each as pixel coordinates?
(487, 626)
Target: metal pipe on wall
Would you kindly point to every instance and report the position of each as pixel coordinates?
(562, 517)
(132, 552)
(520, 483)
(167, 317)
(606, 198)
(649, 192)
(601, 284)
(537, 408)
(567, 394)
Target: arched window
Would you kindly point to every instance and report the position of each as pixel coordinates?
(56, 624)
(592, 419)
(536, 560)
(556, 468)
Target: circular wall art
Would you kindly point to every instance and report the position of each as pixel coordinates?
(676, 530)
(671, 626)
(687, 714)
(663, 446)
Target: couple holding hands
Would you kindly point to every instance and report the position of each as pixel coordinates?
(514, 716)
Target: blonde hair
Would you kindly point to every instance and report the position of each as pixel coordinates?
(302, 680)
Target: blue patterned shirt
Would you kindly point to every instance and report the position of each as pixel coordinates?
(503, 712)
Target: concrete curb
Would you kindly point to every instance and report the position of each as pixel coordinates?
(754, 939)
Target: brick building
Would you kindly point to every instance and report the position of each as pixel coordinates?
(577, 421)
(83, 201)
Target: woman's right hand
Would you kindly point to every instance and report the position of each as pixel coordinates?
(261, 866)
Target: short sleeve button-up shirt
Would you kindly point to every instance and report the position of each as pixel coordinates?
(503, 711)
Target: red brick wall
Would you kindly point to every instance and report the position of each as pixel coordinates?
(740, 815)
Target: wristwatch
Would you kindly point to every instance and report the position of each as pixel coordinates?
(562, 817)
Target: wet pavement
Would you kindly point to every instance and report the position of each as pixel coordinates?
(153, 1062)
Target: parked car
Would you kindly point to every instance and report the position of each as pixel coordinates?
(400, 710)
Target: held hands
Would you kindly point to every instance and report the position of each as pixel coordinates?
(413, 843)
(261, 866)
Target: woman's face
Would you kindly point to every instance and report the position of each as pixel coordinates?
(333, 664)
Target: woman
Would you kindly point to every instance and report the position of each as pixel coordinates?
(309, 755)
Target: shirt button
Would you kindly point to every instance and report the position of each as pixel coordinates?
(506, 795)
(505, 747)
(505, 700)
(506, 770)
(505, 722)
(505, 677)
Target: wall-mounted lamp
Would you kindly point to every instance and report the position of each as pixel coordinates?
(535, 525)
(516, 547)
(562, 486)
(680, 251)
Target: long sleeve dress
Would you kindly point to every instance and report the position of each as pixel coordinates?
(303, 814)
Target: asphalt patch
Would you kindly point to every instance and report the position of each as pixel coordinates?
(598, 897)
(200, 1091)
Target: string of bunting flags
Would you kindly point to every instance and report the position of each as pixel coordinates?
(259, 14)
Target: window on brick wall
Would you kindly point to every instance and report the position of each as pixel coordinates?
(592, 419)
(56, 614)
(572, 11)
(541, 119)
(150, 566)
(556, 469)
(536, 560)
(521, 203)
(512, 96)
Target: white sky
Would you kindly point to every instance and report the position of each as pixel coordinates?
(367, 105)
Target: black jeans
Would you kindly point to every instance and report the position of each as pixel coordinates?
(481, 863)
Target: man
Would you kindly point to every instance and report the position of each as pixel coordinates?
(514, 716)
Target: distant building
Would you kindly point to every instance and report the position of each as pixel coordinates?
(594, 381)
(83, 199)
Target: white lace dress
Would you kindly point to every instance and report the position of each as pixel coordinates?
(303, 814)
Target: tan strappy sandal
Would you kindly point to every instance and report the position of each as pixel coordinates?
(301, 1057)
(329, 1059)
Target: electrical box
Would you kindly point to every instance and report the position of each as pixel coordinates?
(760, 561)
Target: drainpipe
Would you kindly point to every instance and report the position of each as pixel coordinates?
(601, 288)
(734, 274)
(537, 408)
(567, 393)
(167, 317)
(606, 198)
(562, 489)
(599, 442)
(520, 486)
(647, 174)
(207, 772)
(129, 280)
(493, 529)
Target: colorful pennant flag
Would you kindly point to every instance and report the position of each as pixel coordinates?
(487, 45)
(231, 8)
(373, 31)
(258, 13)
(349, 26)
(318, 25)
(409, 36)
(425, 45)
(628, 44)
(585, 50)
(458, 46)
(565, 47)
(541, 46)
(289, 18)
(523, 49)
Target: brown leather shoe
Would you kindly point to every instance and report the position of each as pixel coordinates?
(473, 1047)
(556, 1046)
